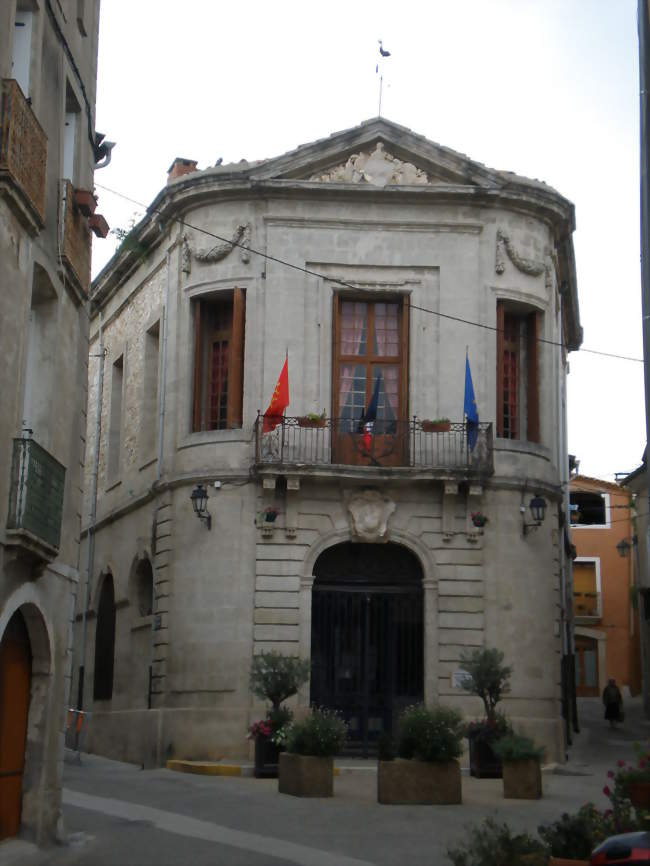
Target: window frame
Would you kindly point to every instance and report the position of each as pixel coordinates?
(401, 361)
(528, 326)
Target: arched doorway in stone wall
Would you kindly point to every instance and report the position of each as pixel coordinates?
(15, 684)
(367, 636)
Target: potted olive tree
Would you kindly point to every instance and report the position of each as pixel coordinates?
(489, 680)
(306, 768)
(522, 773)
(427, 769)
(274, 678)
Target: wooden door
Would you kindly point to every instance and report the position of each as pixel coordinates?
(587, 667)
(15, 677)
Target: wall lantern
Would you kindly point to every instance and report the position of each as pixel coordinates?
(199, 497)
(624, 546)
(537, 507)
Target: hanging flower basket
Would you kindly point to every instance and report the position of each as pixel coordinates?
(479, 519)
(312, 420)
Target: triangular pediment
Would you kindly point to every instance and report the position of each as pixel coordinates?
(377, 153)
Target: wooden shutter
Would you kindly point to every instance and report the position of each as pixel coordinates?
(532, 384)
(197, 410)
(500, 329)
(236, 360)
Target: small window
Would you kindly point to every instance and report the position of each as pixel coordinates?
(22, 49)
(218, 361)
(144, 587)
(70, 135)
(150, 395)
(588, 508)
(517, 373)
(115, 419)
(586, 588)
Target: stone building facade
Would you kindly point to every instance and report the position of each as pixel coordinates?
(48, 65)
(376, 261)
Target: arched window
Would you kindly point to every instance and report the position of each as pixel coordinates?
(105, 642)
(144, 588)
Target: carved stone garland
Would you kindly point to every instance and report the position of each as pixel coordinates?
(241, 238)
(527, 266)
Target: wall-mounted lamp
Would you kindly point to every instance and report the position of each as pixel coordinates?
(199, 497)
(625, 545)
(537, 507)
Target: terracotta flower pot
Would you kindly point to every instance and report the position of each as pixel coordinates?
(435, 426)
(639, 794)
(303, 421)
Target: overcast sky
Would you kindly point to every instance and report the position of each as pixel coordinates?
(545, 88)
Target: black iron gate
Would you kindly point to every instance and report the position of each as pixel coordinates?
(367, 642)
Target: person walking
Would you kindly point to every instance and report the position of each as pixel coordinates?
(613, 701)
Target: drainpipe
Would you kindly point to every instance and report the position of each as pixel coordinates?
(162, 388)
(93, 515)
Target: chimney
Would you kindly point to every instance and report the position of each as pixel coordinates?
(179, 167)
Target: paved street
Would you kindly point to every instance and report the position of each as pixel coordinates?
(117, 813)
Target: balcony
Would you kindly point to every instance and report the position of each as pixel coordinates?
(76, 246)
(35, 500)
(23, 157)
(336, 446)
(586, 605)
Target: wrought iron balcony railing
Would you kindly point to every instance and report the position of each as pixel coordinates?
(296, 442)
(36, 493)
(23, 151)
(76, 238)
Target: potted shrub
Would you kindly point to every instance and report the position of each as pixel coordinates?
(489, 680)
(312, 419)
(274, 678)
(494, 844)
(479, 519)
(437, 425)
(306, 768)
(426, 770)
(522, 774)
(572, 838)
(630, 783)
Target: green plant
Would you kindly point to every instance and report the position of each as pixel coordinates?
(314, 417)
(322, 733)
(494, 844)
(514, 747)
(574, 836)
(385, 747)
(430, 734)
(274, 677)
(128, 239)
(489, 730)
(627, 817)
(489, 677)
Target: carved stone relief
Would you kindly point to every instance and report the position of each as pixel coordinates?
(531, 267)
(378, 168)
(241, 239)
(368, 513)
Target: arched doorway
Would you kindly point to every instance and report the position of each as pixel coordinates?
(15, 681)
(105, 642)
(367, 636)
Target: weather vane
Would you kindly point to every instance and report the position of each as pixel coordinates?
(384, 53)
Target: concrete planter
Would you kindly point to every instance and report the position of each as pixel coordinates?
(305, 775)
(522, 780)
(483, 762)
(266, 758)
(413, 783)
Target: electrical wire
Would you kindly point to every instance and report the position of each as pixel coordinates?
(347, 285)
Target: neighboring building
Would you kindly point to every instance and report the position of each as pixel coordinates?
(637, 483)
(48, 59)
(373, 568)
(604, 597)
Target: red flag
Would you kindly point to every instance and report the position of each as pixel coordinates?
(279, 400)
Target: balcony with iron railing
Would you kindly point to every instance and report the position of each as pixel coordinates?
(23, 157)
(586, 605)
(335, 446)
(35, 500)
(76, 245)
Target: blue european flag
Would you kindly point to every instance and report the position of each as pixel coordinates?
(471, 412)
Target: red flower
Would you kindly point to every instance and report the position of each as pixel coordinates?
(610, 774)
(606, 791)
(620, 763)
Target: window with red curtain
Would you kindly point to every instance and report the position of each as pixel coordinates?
(517, 373)
(218, 361)
(370, 339)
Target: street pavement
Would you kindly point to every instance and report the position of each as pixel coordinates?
(116, 813)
